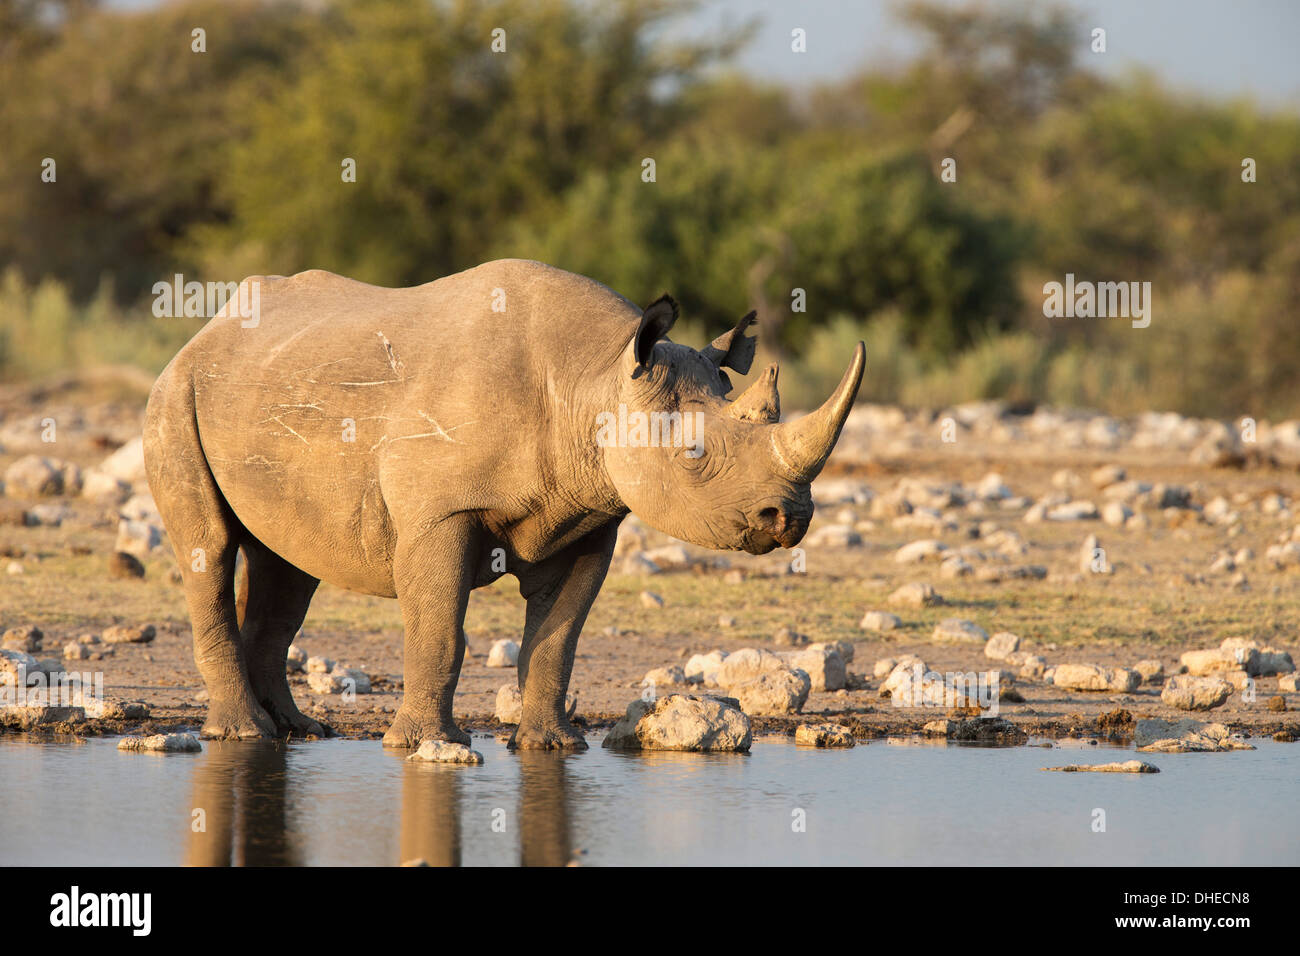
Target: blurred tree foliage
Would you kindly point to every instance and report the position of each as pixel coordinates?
(230, 162)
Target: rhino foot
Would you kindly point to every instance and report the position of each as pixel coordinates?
(412, 729)
(552, 737)
(292, 722)
(232, 720)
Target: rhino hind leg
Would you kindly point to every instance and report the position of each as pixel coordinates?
(559, 592)
(272, 604)
(205, 535)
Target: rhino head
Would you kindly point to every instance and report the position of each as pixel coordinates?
(718, 473)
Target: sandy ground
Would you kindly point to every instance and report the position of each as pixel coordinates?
(1164, 596)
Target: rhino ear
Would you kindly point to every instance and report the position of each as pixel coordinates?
(656, 320)
(735, 349)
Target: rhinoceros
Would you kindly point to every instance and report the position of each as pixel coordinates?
(419, 443)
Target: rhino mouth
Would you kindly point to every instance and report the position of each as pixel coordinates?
(767, 535)
(755, 541)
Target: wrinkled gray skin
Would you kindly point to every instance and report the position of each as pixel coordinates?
(474, 431)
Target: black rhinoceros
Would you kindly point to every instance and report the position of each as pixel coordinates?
(418, 443)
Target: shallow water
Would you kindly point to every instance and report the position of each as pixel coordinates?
(353, 803)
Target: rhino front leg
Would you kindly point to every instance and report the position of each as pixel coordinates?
(433, 571)
(560, 593)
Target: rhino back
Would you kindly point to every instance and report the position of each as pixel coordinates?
(347, 409)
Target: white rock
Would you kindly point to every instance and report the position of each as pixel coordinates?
(823, 735)
(1266, 661)
(703, 668)
(141, 507)
(682, 723)
(879, 621)
(1150, 669)
(510, 704)
(1183, 736)
(955, 630)
(162, 743)
(673, 556)
(823, 664)
(33, 476)
(1092, 557)
(1195, 693)
(127, 463)
(747, 664)
(129, 634)
(772, 692)
(1115, 513)
(296, 659)
(664, 677)
(1001, 645)
(46, 515)
(992, 488)
(955, 567)
(25, 638)
(637, 563)
(917, 551)
(1073, 511)
(1091, 677)
(104, 488)
(444, 751)
(1218, 660)
(504, 653)
(139, 538)
(351, 680)
(14, 665)
(1127, 766)
(835, 536)
(915, 594)
(321, 683)
(1107, 475)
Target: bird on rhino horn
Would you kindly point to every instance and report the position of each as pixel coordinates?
(418, 443)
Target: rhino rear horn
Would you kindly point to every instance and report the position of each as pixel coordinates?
(761, 402)
(802, 447)
(734, 349)
(656, 320)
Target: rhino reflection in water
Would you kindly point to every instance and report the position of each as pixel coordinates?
(412, 443)
(249, 804)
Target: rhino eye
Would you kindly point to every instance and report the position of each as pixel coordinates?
(685, 459)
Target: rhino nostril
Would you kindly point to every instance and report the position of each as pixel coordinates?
(771, 519)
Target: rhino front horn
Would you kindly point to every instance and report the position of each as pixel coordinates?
(802, 447)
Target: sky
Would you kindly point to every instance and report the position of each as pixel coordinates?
(1221, 48)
